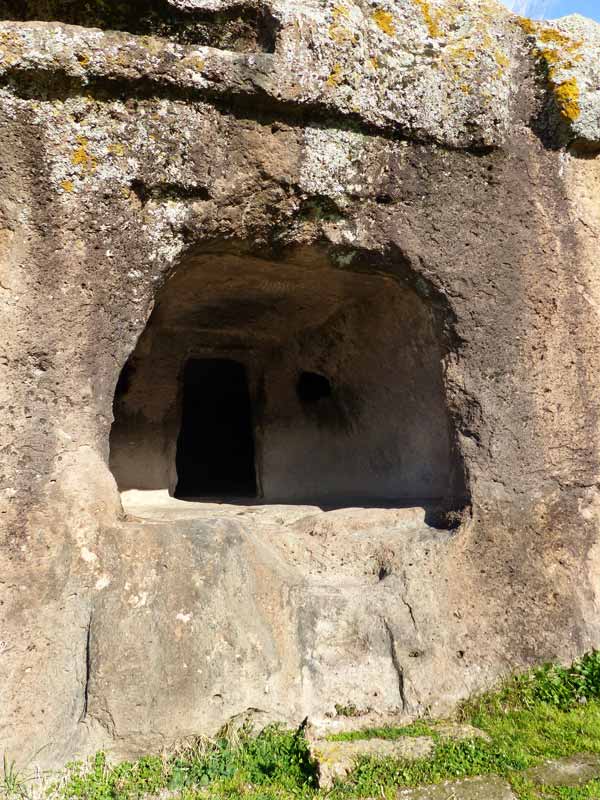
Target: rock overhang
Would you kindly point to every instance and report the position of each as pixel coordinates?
(430, 71)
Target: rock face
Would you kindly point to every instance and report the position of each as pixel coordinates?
(386, 217)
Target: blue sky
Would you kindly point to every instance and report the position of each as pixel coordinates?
(549, 9)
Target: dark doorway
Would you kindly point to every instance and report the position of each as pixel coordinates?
(215, 449)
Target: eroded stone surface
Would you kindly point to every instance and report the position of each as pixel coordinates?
(379, 140)
(570, 50)
(571, 771)
(374, 63)
(336, 759)
(487, 787)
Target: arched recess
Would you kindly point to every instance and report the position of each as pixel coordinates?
(313, 383)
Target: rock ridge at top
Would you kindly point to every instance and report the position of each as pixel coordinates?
(441, 71)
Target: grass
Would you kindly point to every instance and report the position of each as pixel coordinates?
(13, 784)
(549, 712)
(387, 732)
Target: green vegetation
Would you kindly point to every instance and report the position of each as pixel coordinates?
(549, 712)
(275, 759)
(388, 732)
(13, 784)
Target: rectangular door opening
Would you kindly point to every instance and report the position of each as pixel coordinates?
(215, 449)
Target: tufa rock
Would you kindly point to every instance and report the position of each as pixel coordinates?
(378, 223)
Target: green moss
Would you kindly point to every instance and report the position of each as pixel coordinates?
(387, 732)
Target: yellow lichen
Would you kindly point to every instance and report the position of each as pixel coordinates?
(117, 149)
(560, 53)
(82, 158)
(195, 63)
(341, 11)
(567, 98)
(430, 19)
(457, 59)
(460, 52)
(385, 21)
(502, 59)
(336, 75)
(83, 59)
(552, 36)
(67, 186)
(338, 30)
(528, 25)
(374, 62)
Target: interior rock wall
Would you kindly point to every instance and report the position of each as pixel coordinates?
(384, 433)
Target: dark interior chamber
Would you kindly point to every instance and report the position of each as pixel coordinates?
(215, 448)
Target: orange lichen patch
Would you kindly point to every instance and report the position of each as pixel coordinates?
(457, 60)
(503, 62)
(431, 20)
(67, 186)
(559, 44)
(528, 25)
(559, 52)
(338, 30)
(336, 75)
(552, 36)
(460, 52)
(82, 158)
(385, 21)
(567, 97)
(83, 59)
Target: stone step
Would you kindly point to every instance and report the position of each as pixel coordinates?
(486, 787)
(571, 771)
(337, 758)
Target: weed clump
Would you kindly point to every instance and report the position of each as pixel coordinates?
(274, 757)
(561, 687)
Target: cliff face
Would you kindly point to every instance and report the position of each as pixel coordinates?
(399, 197)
